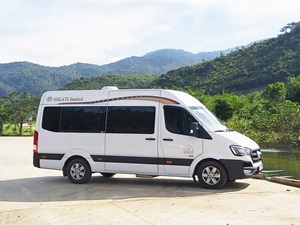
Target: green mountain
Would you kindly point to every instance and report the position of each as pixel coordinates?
(121, 81)
(30, 78)
(243, 70)
(35, 79)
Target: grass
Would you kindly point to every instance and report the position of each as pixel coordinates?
(12, 130)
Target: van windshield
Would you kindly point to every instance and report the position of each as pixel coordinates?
(207, 118)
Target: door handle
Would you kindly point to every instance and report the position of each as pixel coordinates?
(167, 139)
(150, 139)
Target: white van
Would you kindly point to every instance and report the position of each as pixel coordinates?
(145, 132)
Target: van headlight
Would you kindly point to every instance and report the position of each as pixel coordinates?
(240, 150)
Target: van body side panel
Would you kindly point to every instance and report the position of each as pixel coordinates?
(176, 142)
(181, 147)
(132, 148)
(69, 142)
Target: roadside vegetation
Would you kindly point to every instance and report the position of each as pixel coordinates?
(271, 117)
(15, 111)
(13, 130)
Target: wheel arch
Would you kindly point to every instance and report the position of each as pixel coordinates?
(70, 159)
(205, 160)
(211, 174)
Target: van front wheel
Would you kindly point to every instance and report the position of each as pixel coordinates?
(211, 175)
(79, 171)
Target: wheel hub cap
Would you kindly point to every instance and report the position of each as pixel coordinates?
(211, 175)
(77, 171)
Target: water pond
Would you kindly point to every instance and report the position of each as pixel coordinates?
(281, 163)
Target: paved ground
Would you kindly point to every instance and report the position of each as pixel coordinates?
(29, 195)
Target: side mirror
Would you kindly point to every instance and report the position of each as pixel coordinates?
(194, 129)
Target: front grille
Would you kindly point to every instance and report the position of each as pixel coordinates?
(256, 155)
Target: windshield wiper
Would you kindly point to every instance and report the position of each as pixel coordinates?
(225, 130)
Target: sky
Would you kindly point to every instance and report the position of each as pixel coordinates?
(63, 32)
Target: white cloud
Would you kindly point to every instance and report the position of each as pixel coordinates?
(61, 32)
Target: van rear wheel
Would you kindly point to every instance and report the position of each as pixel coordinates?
(211, 175)
(79, 171)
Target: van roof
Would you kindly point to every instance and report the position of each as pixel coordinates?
(107, 93)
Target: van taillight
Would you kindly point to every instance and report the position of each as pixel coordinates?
(35, 141)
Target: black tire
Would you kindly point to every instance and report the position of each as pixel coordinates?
(79, 171)
(211, 175)
(107, 175)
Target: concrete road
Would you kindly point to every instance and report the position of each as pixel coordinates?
(29, 195)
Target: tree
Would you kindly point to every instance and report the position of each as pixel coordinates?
(275, 93)
(287, 117)
(227, 104)
(287, 122)
(289, 27)
(293, 89)
(19, 108)
(223, 109)
(3, 117)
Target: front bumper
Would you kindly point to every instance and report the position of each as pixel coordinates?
(238, 169)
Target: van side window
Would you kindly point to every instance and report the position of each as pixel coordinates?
(83, 119)
(131, 119)
(177, 120)
(74, 119)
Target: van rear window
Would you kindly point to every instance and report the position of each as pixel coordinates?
(51, 118)
(74, 119)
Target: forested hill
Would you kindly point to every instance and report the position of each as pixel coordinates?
(244, 70)
(35, 79)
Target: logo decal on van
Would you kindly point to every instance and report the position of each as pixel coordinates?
(188, 150)
(49, 99)
(64, 99)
